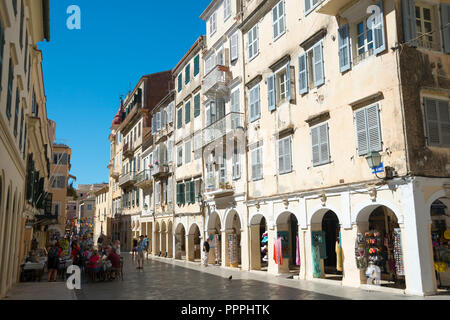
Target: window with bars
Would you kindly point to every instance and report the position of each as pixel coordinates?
(437, 119)
(253, 47)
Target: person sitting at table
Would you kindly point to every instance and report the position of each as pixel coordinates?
(115, 262)
(94, 262)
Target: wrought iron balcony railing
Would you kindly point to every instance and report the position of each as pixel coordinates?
(223, 126)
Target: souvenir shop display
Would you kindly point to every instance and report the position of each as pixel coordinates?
(441, 255)
(233, 250)
(360, 252)
(318, 252)
(264, 249)
(217, 248)
(398, 252)
(374, 248)
(278, 251)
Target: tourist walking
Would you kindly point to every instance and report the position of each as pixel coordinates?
(140, 252)
(206, 252)
(117, 247)
(54, 252)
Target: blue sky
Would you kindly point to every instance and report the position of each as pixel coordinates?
(86, 71)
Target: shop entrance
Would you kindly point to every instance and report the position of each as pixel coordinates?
(286, 245)
(233, 240)
(440, 237)
(379, 247)
(194, 243)
(326, 246)
(259, 243)
(180, 242)
(215, 243)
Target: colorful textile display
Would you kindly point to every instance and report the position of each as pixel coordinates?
(277, 252)
(360, 252)
(398, 252)
(317, 268)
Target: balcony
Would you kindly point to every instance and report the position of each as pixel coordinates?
(144, 179)
(114, 173)
(128, 150)
(222, 127)
(127, 180)
(160, 170)
(330, 7)
(216, 81)
(218, 188)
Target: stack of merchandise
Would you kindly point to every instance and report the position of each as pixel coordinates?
(398, 255)
(360, 252)
(374, 247)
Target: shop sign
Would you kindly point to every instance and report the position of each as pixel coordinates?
(378, 169)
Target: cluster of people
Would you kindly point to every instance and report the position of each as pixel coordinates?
(102, 260)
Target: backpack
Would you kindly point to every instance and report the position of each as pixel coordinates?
(53, 253)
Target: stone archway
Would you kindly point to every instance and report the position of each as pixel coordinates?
(215, 236)
(233, 256)
(379, 234)
(163, 235)
(180, 242)
(194, 248)
(169, 240)
(259, 243)
(157, 240)
(440, 237)
(286, 230)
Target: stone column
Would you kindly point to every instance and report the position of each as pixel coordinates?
(224, 242)
(189, 247)
(255, 248)
(351, 274)
(418, 257)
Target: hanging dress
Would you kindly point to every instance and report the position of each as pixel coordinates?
(338, 256)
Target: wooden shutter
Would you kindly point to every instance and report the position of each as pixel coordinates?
(432, 121)
(250, 43)
(324, 144)
(318, 64)
(315, 145)
(361, 132)
(378, 32)
(344, 48)
(444, 119)
(183, 193)
(196, 65)
(197, 105)
(445, 19)
(288, 81)
(373, 128)
(192, 191)
(281, 153)
(188, 192)
(409, 22)
(234, 51)
(180, 81)
(170, 113)
(275, 21)
(187, 112)
(271, 91)
(302, 73)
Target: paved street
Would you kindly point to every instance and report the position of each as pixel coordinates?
(165, 279)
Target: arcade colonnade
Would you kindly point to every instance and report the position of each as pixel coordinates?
(318, 234)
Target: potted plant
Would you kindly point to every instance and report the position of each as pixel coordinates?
(228, 186)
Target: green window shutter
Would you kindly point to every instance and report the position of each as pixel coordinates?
(182, 193)
(344, 48)
(445, 18)
(188, 192)
(409, 22)
(196, 65)
(187, 74)
(192, 192)
(180, 82)
(197, 105)
(187, 112)
(179, 117)
(378, 32)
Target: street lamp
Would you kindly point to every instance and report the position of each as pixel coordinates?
(373, 159)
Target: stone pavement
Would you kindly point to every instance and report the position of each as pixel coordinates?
(167, 279)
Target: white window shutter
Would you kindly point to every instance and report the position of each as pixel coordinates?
(170, 113)
(271, 91)
(344, 48)
(281, 153)
(432, 121)
(361, 132)
(318, 65)
(288, 81)
(324, 144)
(315, 145)
(373, 128)
(302, 73)
(274, 21)
(234, 51)
(378, 32)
